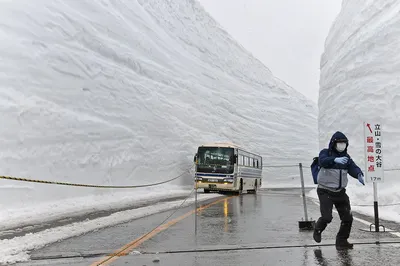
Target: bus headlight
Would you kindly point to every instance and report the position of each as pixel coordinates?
(228, 180)
(198, 179)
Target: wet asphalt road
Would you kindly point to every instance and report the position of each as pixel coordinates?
(259, 229)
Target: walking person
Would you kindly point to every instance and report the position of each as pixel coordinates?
(335, 163)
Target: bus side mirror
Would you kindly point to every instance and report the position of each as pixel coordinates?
(236, 158)
(194, 158)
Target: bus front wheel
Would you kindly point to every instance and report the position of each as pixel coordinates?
(240, 187)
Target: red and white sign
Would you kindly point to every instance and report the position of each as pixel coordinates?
(373, 152)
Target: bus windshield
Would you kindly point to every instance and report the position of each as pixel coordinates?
(215, 160)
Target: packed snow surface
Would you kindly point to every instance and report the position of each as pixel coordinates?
(123, 92)
(360, 82)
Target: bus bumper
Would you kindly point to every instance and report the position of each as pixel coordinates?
(227, 186)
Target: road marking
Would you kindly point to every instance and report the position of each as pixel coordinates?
(125, 250)
(360, 220)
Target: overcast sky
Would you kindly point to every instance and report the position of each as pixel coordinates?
(288, 36)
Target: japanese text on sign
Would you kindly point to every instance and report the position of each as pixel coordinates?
(373, 152)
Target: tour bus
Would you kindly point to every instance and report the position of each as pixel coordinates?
(227, 167)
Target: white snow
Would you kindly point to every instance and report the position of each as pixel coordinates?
(122, 93)
(360, 81)
(17, 249)
(79, 206)
(286, 35)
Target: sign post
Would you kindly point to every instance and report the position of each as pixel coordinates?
(373, 161)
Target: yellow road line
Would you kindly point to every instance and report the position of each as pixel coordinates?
(125, 250)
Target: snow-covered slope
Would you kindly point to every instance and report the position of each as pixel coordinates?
(360, 81)
(122, 92)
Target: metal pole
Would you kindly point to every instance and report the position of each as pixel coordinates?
(376, 207)
(302, 191)
(195, 209)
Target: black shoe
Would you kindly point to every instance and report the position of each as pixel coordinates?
(317, 235)
(343, 244)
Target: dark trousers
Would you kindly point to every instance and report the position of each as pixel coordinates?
(342, 203)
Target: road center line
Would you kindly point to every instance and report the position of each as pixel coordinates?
(123, 251)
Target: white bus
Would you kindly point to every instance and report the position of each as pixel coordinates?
(227, 167)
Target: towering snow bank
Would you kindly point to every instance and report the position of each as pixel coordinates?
(360, 80)
(122, 92)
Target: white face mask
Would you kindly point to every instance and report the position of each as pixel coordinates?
(340, 146)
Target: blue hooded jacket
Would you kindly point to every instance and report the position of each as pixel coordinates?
(332, 175)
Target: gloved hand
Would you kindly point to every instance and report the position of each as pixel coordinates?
(361, 178)
(341, 160)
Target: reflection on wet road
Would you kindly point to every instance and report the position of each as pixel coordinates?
(249, 229)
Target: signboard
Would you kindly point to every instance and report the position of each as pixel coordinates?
(373, 152)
